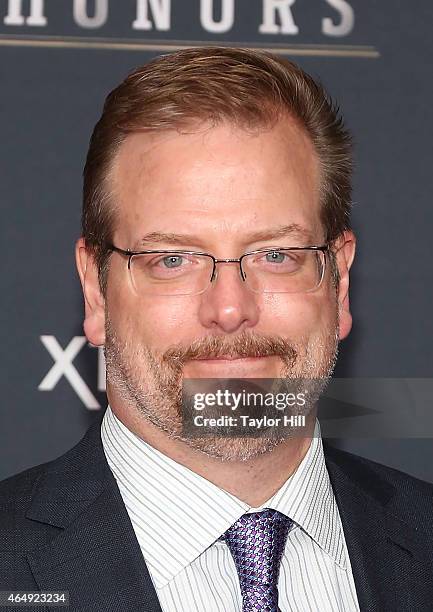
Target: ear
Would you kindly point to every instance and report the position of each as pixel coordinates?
(94, 303)
(344, 248)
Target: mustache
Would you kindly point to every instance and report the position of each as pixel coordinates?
(244, 345)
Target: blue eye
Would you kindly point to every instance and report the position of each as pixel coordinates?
(172, 261)
(275, 257)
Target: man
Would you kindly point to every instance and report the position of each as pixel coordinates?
(216, 245)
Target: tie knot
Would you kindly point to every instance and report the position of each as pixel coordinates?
(256, 542)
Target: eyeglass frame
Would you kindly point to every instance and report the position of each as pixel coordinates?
(324, 248)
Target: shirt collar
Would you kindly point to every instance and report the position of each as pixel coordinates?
(177, 514)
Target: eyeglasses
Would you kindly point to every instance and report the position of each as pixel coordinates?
(277, 270)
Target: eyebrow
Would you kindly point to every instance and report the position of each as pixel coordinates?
(283, 231)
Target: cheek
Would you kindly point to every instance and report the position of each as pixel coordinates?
(160, 322)
(297, 315)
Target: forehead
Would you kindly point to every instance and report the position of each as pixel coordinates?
(218, 180)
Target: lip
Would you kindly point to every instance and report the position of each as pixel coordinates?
(228, 358)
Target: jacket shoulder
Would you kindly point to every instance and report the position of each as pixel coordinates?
(16, 494)
(19, 487)
(18, 535)
(402, 492)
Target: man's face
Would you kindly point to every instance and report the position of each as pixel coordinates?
(218, 186)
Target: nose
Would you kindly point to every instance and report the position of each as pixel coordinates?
(228, 304)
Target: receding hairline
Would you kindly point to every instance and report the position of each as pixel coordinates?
(196, 126)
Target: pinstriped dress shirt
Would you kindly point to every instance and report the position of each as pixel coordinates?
(178, 517)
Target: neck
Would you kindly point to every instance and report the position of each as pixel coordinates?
(253, 481)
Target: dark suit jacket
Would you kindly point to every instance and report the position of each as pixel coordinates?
(64, 526)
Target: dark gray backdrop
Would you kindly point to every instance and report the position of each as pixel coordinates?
(374, 58)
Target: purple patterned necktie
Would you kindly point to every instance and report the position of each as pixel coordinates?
(257, 541)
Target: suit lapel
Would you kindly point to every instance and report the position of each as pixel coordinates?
(386, 553)
(96, 556)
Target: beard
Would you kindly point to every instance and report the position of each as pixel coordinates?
(151, 382)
